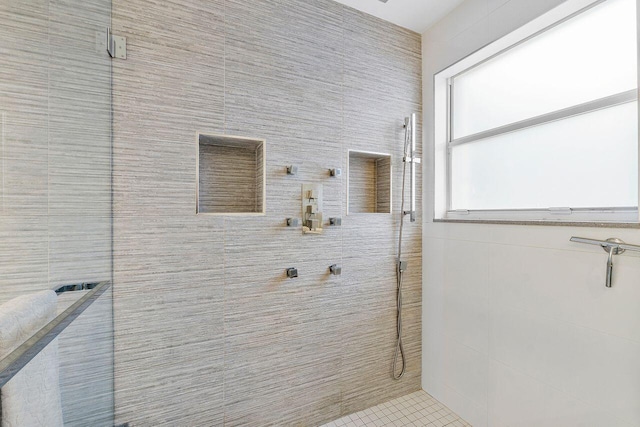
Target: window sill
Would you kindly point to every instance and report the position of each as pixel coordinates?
(542, 222)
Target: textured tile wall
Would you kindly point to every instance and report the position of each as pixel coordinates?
(209, 331)
(55, 179)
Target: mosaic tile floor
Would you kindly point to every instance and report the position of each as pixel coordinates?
(417, 409)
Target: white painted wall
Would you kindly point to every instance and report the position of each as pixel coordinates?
(518, 328)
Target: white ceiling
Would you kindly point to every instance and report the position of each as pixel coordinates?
(416, 15)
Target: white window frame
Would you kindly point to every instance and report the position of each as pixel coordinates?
(444, 141)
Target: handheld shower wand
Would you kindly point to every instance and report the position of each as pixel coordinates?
(401, 266)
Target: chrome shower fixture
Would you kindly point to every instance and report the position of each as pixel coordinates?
(335, 270)
(410, 157)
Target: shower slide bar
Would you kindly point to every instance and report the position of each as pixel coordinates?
(21, 356)
(412, 160)
(613, 247)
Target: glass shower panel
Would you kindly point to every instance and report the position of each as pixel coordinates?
(55, 181)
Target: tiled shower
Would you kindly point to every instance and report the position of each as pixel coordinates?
(122, 160)
(214, 189)
(224, 335)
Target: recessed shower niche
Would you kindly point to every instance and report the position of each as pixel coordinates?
(369, 183)
(231, 175)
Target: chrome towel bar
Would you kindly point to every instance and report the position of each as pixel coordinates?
(613, 247)
(21, 356)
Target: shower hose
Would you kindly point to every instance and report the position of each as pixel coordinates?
(399, 353)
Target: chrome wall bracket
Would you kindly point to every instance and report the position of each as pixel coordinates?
(612, 246)
(13, 363)
(116, 45)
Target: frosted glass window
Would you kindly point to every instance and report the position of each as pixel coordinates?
(583, 161)
(590, 56)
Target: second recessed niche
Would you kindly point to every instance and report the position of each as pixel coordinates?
(231, 175)
(369, 188)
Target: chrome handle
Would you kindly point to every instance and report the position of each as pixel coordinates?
(609, 280)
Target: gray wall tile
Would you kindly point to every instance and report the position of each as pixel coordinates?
(314, 79)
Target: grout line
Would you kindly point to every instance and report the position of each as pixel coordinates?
(224, 220)
(112, 82)
(343, 192)
(224, 320)
(224, 66)
(48, 149)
